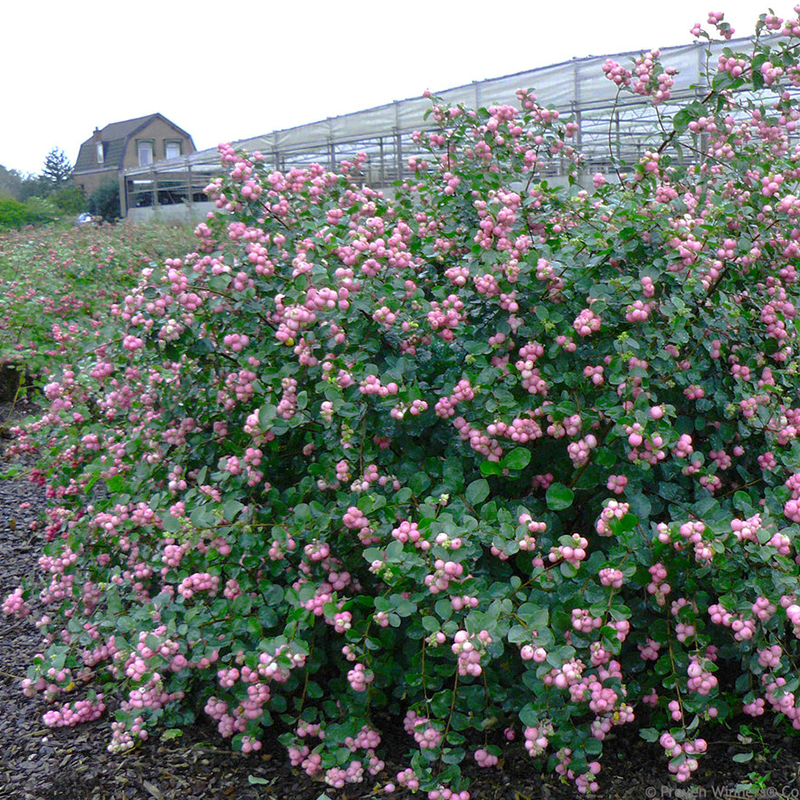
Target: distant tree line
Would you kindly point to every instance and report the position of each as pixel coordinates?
(29, 199)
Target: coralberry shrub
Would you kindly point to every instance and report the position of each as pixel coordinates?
(516, 464)
(58, 283)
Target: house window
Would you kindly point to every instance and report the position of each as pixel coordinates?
(172, 149)
(99, 152)
(145, 150)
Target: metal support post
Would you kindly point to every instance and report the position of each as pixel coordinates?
(123, 196)
(189, 185)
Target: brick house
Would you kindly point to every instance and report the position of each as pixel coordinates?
(131, 143)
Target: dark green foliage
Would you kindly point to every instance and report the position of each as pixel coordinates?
(69, 200)
(104, 202)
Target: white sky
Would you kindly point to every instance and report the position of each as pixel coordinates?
(230, 70)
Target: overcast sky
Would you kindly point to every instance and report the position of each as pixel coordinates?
(231, 70)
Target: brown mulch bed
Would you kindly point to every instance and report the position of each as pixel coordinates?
(72, 764)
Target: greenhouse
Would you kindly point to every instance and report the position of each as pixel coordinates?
(612, 128)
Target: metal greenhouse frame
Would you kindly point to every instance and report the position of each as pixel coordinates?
(578, 89)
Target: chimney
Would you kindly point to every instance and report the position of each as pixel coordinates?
(96, 135)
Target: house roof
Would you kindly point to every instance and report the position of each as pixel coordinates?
(115, 137)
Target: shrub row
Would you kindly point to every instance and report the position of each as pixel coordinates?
(514, 463)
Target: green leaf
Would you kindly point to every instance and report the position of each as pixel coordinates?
(477, 492)
(202, 517)
(431, 624)
(113, 601)
(491, 468)
(403, 496)
(459, 721)
(115, 484)
(314, 690)
(231, 509)
(453, 755)
(529, 715)
(742, 501)
(742, 758)
(441, 702)
(443, 608)
(681, 120)
(533, 616)
(266, 415)
(394, 551)
(640, 506)
(567, 569)
(403, 607)
(170, 523)
(593, 747)
(254, 780)
(518, 458)
(559, 497)
(649, 734)
(419, 482)
(453, 474)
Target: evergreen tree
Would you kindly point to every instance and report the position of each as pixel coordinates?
(57, 168)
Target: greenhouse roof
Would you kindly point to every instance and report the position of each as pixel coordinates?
(578, 87)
